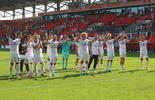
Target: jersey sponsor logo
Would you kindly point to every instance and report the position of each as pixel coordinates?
(143, 44)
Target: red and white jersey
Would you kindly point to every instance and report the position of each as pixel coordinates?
(14, 45)
(110, 45)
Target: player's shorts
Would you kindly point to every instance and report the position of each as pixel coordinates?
(65, 55)
(37, 58)
(110, 55)
(122, 53)
(24, 57)
(84, 57)
(54, 59)
(14, 58)
(30, 57)
(143, 54)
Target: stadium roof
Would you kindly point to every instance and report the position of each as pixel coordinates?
(7, 5)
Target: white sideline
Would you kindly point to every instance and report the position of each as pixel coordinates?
(76, 83)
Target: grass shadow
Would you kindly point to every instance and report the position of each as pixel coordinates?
(130, 71)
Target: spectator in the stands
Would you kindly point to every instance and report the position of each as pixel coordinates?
(146, 33)
(75, 30)
(151, 9)
(152, 16)
(131, 38)
(116, 34)
(113, 23)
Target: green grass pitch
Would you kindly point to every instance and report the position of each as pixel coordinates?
(130, 84)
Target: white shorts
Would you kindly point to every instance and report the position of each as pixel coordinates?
(143, 54)
(54, 59)
(84, 57)
(24, 57)
(14, 58)
(37, 58)
(110, 55)
(30, 57)
(122, 53)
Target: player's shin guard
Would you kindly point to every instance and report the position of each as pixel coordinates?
(11, 70)
(42, 68)
(17, 69)
(110, 65)
(81, 68)
(107, 65)
(147, 62)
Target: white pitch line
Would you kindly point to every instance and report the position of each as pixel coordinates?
(77, 83)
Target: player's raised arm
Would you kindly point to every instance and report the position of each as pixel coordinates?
(138, 39)
(46, 40)
(115, 39)
(150, 38)
(106, 35)
(6, 35)
(60, 38)
(65, 42)
(41, 46)
(126, 37)
(95, 38)
(73, 36)
(77, 38)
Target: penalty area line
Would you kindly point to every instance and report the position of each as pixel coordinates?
(76, 83)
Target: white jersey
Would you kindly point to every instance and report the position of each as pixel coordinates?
(84, 46)
(78, 47)
(110, 45)
(38, 50)
(14, 45)
(101, 47)
(122, 45)
(143, 46)
(94, 48)
(54, 45)
(30, 48)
